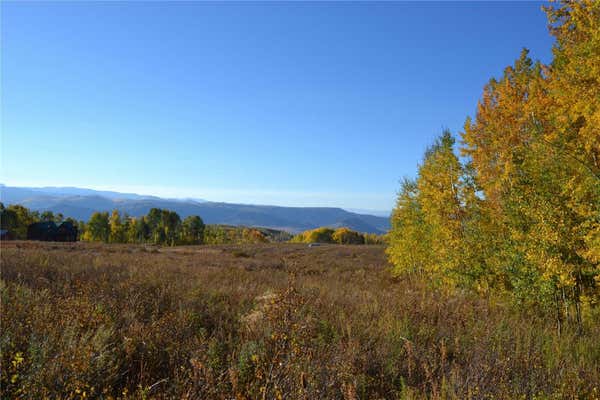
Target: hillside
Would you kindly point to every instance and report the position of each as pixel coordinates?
(81, 203)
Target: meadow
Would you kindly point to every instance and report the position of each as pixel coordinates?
(269, 321)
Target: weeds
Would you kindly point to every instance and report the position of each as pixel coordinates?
(115, 321)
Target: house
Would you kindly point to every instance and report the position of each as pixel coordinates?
(41, 231)
(66, 232)
(5, 234)
(48, 231)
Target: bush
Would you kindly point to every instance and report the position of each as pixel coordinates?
(347, 236)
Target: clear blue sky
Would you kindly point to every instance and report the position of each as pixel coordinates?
(305, 104)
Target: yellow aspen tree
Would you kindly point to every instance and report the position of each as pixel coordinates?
(428, 223)
(409, 249)
(575, 86)
(440, 189)
(117, 229)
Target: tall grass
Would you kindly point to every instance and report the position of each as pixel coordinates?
(283, 321)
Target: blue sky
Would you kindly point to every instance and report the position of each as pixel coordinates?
(304, 104)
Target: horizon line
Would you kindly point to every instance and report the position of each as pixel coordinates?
(130, 190)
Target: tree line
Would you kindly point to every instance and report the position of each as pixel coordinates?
(515, 207)
(159, 226)
(165, 227)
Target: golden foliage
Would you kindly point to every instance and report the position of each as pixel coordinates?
(523, 212)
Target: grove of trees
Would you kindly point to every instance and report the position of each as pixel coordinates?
(159, 226)
(222, 234)
(340, 236)
(519, 210)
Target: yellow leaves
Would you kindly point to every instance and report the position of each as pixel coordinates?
(250, 235)
(555, 270)
(587, 305)
(525, 210)
(427, 224)
(16, 362)
(318, 235)
(347, 236)
(17, 359)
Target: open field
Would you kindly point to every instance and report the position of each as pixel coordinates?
(265, 322)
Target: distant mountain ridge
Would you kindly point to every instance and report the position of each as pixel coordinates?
(81, 203)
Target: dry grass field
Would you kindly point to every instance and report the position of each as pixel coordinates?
(267, 321)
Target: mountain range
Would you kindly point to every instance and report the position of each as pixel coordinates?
(80, 203)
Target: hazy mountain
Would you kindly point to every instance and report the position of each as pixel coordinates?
(81, 203)
(377, 213)
(73, 191)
